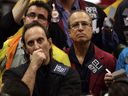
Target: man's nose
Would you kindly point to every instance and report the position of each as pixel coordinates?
(36, 46)
(80, 26)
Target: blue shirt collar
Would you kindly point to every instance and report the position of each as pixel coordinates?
(75, 5)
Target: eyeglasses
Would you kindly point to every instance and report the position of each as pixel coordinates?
(77, 25)
(32, 15)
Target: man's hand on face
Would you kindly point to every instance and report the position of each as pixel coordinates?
(37, 58)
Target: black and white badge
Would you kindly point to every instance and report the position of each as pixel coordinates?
(95, 66)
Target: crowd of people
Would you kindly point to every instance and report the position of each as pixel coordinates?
(63, 48)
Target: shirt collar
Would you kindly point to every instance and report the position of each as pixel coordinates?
(74, 6)
(90, 53)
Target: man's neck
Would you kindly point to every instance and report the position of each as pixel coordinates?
(81, 48)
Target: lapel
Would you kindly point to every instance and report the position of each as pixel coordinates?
(94, 77)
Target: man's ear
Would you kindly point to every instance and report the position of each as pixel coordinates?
(69, 31)
(50, 42)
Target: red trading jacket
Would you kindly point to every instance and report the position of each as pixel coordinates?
(96, 83)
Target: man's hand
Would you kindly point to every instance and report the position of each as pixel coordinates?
(108, 79)
(37, 58)
(19, 9)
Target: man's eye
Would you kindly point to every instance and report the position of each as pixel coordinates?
(75, 25)
(30, 43)
(42, 17)
(31, 15)
(40, 40)
(84, 24)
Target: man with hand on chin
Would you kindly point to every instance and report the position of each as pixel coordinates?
(43, 75)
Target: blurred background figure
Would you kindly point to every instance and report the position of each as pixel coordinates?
(122, 61)
(94, 9)
(121, 21)
(117, 83)
(14, 87)
(119, 87)
(7, 5)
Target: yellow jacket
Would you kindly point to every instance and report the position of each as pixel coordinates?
(10, 47)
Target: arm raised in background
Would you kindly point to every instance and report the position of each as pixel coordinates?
(19, 9)
(10, 23)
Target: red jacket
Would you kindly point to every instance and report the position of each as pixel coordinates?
(96, 83)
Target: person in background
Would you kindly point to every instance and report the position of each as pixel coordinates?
(110, 39)
(15, 87)
(36, 11)
(119, 87)
(42, 74)
(86, 57)
(64, 9)
(118, 50)
(122, 61)
(121, 21)
(122, 45)
(4, 25)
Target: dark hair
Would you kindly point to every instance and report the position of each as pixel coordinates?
(28, 26)
(14, 87)
(119, 87)
(42, 4)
